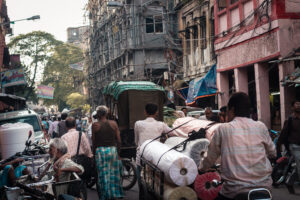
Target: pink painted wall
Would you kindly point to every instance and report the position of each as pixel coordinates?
(289, 35)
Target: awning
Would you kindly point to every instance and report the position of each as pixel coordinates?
(285, 59)
(292, 79)
(183, 92)
(203, 87)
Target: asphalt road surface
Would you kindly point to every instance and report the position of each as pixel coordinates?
(280, 193)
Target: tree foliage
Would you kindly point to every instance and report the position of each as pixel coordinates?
(59, 75)
(35, 49)
(76, 100)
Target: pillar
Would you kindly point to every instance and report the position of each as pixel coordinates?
(286, 93)
(262, 93)
(191, 63)
(199, 44)
(223, 85)
(241, 79)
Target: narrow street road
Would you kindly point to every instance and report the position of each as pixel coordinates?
(132, 194)
(280, 193)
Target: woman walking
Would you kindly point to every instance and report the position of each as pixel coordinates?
(106, 144)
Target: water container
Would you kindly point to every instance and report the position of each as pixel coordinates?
(13, 138)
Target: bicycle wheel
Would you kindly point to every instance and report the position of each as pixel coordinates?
(129, 175)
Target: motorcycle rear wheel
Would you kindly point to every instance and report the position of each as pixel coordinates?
(278, 175)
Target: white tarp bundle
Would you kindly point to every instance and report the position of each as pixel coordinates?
(178, 168)
(13, 138)
(193, 125)
(195, 149)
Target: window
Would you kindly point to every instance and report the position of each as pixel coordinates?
(32, 120)
(233, 1)
(221, 4)
(203, 31)
(154, 24)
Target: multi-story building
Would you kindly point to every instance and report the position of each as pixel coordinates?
(196, 30)
(254, 42)
(78, 36)
(130, 40)
(4, 29)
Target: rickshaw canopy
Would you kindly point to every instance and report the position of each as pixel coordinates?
(114, 89)
(127, 100)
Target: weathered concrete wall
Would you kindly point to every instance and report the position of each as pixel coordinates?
(289, 35)
(248, 52)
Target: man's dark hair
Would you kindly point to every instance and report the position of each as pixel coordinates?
(151, 109)
(223, 109)
(241, 104)
(64, 116)
(184, 108)
(70, 122)
(293, 102)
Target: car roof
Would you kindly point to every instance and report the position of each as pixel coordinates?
(17, 114)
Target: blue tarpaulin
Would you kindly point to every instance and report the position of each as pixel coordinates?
(203, 87)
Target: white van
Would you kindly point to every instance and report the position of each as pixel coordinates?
(24, 116)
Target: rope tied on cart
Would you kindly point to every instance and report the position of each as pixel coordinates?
(201, 133)
(162, 135)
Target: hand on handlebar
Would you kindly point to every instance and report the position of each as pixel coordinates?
(18, 160)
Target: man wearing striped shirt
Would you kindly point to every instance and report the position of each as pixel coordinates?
(244, 146)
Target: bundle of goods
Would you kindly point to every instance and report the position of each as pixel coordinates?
(204, 188)
(195, 149)
(13, 137)
(172, 192)
(193, 124)
(178, 168)
(169, 116)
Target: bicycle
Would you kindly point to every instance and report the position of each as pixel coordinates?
(128, 176)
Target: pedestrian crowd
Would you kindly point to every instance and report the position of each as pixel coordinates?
(243, 144)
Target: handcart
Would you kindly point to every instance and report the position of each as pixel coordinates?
(37, 190)
(152, 181)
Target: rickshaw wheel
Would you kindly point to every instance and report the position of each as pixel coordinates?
(129, 175)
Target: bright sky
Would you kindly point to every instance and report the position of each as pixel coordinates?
(56, 16)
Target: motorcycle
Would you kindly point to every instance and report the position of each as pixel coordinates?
(285, 172)
(253, 194)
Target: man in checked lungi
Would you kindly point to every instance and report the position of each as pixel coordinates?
(106, 145)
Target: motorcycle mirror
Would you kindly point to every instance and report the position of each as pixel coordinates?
(29, 134)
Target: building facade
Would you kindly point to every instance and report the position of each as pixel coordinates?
(130, 40)
(196, 30)
(255, 41)
(4, 30)
(78, 36)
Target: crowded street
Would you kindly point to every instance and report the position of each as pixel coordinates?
(150, 100)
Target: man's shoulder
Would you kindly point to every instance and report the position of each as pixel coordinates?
(140, 122)
(259, 124)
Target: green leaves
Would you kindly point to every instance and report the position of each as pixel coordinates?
(59, 75)
(35, 49)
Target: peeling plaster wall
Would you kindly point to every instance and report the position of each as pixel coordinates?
(248, 51)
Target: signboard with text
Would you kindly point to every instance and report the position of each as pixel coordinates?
(12, 77)
(45, 92)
